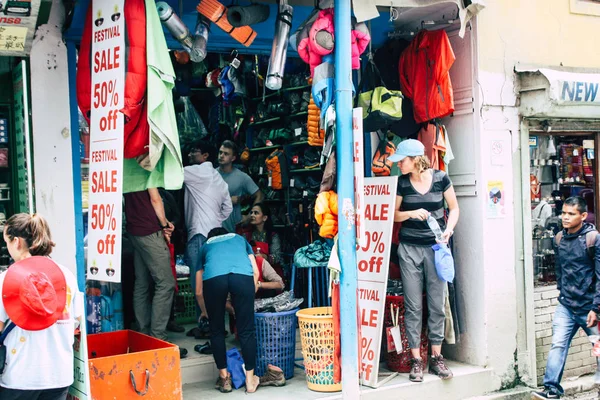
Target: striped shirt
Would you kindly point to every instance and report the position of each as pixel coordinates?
(414, 231)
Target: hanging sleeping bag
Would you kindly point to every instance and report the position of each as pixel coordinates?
(136, 130)
(277, 169)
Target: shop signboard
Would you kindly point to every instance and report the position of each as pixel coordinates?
(373, 265)
(80, 389)
(572, 88)
(24, 188)
(17, 26)
(106, 142)
(358, 155)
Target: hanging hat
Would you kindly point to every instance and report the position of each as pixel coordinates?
(34, 293)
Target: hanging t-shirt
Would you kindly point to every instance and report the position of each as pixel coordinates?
(38, 360)
(417, 232)
(432, 137)
(240, 184)
(225, 254)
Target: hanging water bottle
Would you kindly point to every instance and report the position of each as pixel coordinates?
(174, 25)
(198, 50)
(435, 227)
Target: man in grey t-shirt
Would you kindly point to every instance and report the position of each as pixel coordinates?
(240, 184)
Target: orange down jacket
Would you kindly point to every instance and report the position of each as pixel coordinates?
(326, 212)
(424, 75)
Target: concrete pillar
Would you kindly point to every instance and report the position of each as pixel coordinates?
(51, 127)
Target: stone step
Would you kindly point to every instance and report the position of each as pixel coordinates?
(468, 381)
(196, 367)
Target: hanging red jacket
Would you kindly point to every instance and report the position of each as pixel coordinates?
(136, 128)
(424, 75)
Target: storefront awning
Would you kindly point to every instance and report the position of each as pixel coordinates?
(367, 9)
(562, 93)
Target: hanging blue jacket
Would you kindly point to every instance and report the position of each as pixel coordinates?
(577, 274)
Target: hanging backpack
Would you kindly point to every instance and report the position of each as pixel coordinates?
(277, 169)
(381, 107)
(281, 136)
(381, 166)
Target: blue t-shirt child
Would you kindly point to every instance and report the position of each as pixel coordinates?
(225, 254)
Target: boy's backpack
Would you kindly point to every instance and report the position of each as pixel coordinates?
(590, 242)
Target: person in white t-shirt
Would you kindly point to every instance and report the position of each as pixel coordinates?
(39, 349)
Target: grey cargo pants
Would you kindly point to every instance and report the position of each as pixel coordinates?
(417, 266)
(154, 284)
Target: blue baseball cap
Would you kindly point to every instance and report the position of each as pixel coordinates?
(407, 148)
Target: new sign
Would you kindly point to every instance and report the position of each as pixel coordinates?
(572, 87)
(579, 91)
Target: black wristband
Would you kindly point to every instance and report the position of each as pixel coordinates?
(164, 227)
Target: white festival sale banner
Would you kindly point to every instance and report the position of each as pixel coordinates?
(106, 141)
(373, 257)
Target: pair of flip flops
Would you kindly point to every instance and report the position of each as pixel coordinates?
(203, 348)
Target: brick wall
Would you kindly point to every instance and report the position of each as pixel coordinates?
(580, 360)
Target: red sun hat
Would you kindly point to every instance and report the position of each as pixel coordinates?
(34, 293)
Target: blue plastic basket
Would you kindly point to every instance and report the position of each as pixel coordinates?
(276, 341)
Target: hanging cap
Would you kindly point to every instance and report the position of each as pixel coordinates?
(34, 293)
(407, 148)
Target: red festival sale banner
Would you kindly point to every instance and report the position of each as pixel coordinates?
(106, 142)
(373, 257)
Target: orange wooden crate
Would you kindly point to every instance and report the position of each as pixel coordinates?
(116, 357)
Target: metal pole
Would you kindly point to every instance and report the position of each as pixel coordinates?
(345, 185)
(77, 202)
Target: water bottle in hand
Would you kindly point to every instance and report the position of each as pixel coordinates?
(435, 227)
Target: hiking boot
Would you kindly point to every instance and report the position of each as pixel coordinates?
(223, 385)
(416, 370)
(545, 394)
(438, 367)
(273, 377)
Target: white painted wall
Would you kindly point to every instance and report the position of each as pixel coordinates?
(485, 249)
(52, 152)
